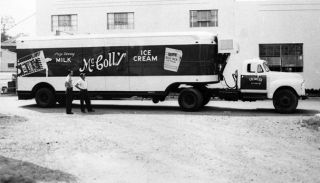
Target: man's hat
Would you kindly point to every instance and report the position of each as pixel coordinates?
(82, 74)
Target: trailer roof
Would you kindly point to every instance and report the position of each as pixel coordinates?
(132, 39)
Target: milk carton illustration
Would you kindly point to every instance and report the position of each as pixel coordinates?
(32, 63)
(172, 59)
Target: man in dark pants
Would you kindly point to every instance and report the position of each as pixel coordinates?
(82, 85)
(69, 92)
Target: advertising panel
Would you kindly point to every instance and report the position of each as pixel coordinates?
(118, 61)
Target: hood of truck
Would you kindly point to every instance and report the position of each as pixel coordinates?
(285, 75)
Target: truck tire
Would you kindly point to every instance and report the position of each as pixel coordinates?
(206, 99)
(45, 97)
(190, 99)
(155, 100)
(285, 101)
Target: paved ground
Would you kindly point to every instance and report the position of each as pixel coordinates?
(138, 141)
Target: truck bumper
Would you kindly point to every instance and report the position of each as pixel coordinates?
(24, 95)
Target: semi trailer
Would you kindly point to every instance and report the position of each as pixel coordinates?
(149, 65)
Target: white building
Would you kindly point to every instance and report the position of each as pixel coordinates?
(8, 61)
(8, 57)
(286, 33)
(282, 32)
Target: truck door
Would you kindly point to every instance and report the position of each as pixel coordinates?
(254, 80)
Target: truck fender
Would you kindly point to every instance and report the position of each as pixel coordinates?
(287, 84)
(42, 85)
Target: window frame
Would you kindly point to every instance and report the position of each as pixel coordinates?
(57, 26)
(112, 23)
(260, 69)
(198, 22)
(283, 57)
(11, 65)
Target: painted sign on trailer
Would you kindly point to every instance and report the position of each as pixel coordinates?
(120, 61)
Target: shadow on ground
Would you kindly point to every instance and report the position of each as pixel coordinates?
(172, 110)
(16, 171)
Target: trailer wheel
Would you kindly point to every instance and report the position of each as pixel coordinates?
(206, 99)
(45, 97)
(285, 101)
(155, 100)
(190, 99)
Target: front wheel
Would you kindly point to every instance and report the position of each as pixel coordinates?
(45, 97)
(285, 101)
(190, 99)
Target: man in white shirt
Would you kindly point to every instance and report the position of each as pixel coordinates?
(69, 92)
(82, 85)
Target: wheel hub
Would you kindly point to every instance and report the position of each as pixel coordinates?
(189, 99)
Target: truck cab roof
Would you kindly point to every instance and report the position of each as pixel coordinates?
(251, 65)
(254, 61)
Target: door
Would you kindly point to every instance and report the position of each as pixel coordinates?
(254, 80)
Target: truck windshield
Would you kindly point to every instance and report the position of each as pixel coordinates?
(266, 68)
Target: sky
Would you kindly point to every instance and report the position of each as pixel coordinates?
(20, 10)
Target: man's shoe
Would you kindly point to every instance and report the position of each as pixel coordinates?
(91, 110)
(69, 112)
(83, 111)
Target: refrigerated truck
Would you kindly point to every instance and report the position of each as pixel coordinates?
(148, 65)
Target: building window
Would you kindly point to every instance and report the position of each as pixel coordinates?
(283, 57)
(204, 18)
(10, 65)
(120, 20)
(64, 23)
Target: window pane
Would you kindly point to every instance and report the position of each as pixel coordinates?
(120, 21)
(203, 18)
(10, 65)
(283, 57)
(66, 23)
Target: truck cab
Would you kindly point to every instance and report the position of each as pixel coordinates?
(256, 81)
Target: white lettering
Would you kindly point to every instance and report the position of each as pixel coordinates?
(85, 66)
(100, 62)
(154, 58)
(65, 60)
(145, 56)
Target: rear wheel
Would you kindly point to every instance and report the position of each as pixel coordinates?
(285, 101)
(45, 97)
(155, 100)
(190, 99)
(206, 99)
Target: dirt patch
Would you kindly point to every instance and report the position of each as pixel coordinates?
(5, 119)
(16, 171)
(311, 123)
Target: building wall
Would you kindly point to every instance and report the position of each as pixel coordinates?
(277, 22)
(7, 57)
(149, 15)
(249, 23)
